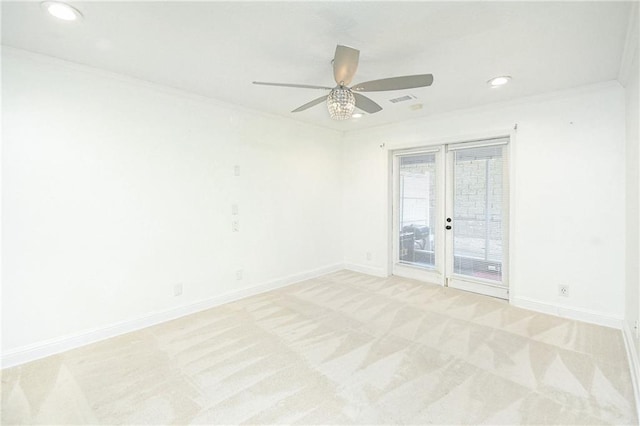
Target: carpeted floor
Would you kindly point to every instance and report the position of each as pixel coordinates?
(343, 348)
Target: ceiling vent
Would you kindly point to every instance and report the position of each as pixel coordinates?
(402, 99)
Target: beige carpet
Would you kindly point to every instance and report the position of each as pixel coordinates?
(343, 348)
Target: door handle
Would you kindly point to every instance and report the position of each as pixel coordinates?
(447, 227)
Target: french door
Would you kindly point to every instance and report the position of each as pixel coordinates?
(450, 215)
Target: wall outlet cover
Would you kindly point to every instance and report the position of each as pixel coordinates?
(563, 290)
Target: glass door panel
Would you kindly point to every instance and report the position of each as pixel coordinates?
(417, 210)
(477, 213)
(477, 200)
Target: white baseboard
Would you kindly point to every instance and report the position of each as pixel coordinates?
(369, 270)
(566, 312)
(634, 362)
(61, 344)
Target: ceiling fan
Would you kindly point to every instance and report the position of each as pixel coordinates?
(342, 100)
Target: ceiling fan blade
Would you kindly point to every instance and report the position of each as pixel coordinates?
(299, 86)
(366, 104)
(310, 104)
(395, 83)
(345, 64)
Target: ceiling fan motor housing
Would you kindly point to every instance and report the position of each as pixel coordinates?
(341, 103)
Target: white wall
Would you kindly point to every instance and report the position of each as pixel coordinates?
(114, 190)
(568, 186)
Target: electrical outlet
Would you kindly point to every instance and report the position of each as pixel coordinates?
(235, 226)
(563, 290)
(239, 274)
(177, 289)
(236, 170)
(234, 209)
(368, 255)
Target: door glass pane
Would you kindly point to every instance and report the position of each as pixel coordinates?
(477, 212)
(417, 209)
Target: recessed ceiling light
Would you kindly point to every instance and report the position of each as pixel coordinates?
(61, 10)
(356, 115)
(499, 81)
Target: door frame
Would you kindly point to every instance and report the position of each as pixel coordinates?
(394, 147)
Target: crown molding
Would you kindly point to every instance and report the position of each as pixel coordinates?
(41, 58)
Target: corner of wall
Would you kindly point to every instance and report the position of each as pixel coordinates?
(630, 46)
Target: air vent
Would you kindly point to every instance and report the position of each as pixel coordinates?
(402, 99)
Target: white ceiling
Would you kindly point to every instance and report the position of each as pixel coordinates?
(217, 49)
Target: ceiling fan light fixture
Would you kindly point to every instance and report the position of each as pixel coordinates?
(499, 81)
(341, 103)
(61, 10)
